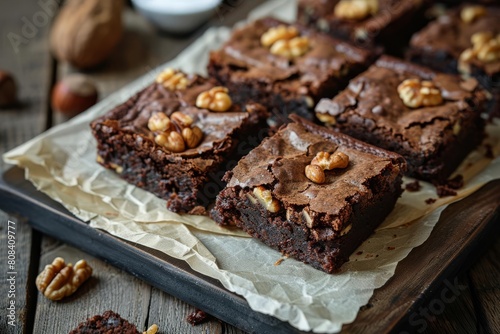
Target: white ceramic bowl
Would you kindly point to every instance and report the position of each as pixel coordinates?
(177, 16)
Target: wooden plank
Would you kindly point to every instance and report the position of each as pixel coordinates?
(107, 289)
(177, 311)
(439, 259)
(485, 282)
(446, 312)
(19, 287)
(24, 53)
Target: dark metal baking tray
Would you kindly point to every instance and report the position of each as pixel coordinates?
(478, 215)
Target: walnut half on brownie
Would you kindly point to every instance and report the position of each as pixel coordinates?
(175, 137)
(365, 22)
(311, 193)
(432, 119)
(286, 67)
(463, 40)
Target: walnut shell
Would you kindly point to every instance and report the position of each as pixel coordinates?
(86, 31)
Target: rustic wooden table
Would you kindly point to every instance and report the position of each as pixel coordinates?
(476, 310)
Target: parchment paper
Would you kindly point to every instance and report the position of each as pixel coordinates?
(61, 163)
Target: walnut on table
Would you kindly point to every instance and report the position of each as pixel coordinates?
(59, 280)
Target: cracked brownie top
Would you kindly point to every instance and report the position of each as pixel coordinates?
(270, 51)
(278, 165)
(409, 103)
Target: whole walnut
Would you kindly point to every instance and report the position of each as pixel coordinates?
(86, 31)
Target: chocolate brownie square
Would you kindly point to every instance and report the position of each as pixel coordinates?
(176, 137)
(431, 119)
(365, 22)
(463, 40)
(275, 194)
(107, 323)
(285, 67)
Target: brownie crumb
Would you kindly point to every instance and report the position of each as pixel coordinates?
(197, 317)
(430, 200)
(456, 183)
(391, 248)
(394, 236)
(359, 253)
(450, 186)
(489, 151)
(443, 191)
(413, 186)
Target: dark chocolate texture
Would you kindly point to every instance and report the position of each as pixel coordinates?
(285, 85)
(391, 26)
(440, 44)
(319, 224)
(187, 180)
(107, 323)
(434, 140)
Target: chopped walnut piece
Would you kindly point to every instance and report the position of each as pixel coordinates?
(172, 79)
(292, 48)
(416, 93)
(175, 133)
(216, 99)
(59, 280)
(356, 9)
(325, 161)
(192, 136)
(153, 329)
(278, 262)
(315, 173)
(159, 122)
(285, 41)
(265, 197)
(485, 48)
(326, 118)
(490, 51)
(470, 14)
(481, 38)
(181, 119)
(330, 161)
(278, 33)
(172, 141)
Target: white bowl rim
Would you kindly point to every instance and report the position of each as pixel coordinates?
(176, 6)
